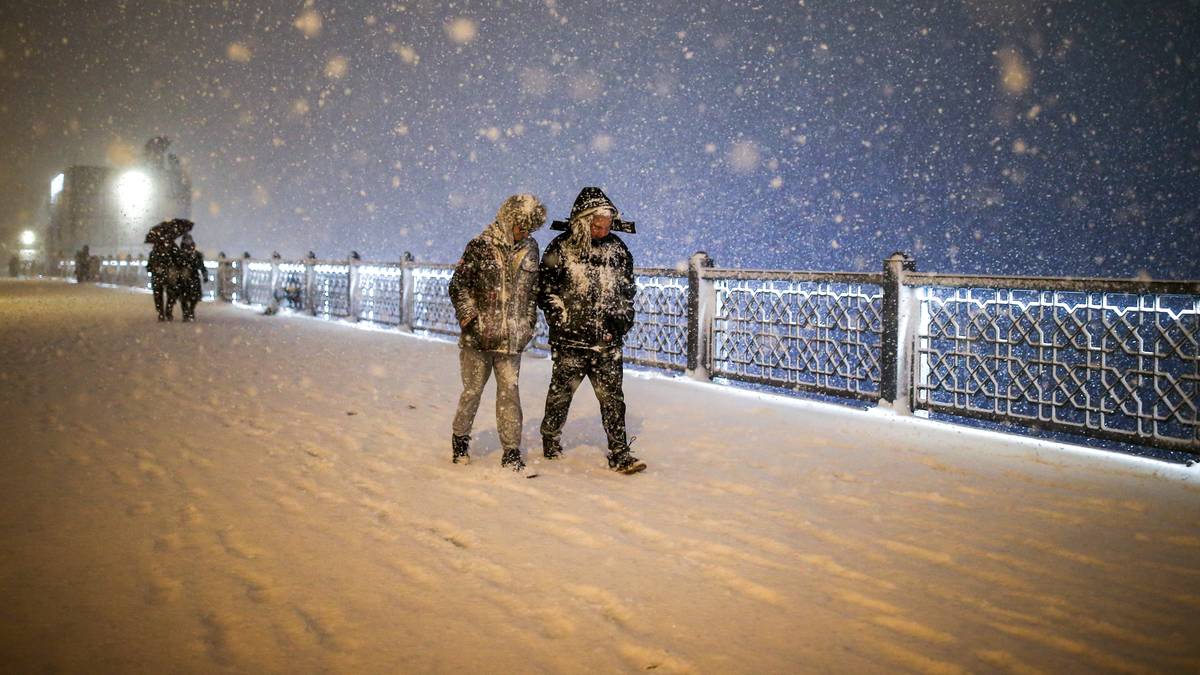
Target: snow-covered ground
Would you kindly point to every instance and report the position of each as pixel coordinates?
(274, 494)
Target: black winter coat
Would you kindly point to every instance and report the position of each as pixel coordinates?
(190, 266)
(162, 263)
(588, 302)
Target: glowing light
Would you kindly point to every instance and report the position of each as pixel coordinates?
(133, 192)
(56, 186)
(28, 237)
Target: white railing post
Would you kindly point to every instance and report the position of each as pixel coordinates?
(245, 277)
(897, 340)
(407, 296)
(702, 303)
(353, 287)
(310, 283)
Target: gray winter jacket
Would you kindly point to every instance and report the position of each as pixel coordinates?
(494, 289)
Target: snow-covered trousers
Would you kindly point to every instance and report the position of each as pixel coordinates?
(605, 370)
(476, 367)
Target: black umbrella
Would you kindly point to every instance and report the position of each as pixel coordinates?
(168, 230)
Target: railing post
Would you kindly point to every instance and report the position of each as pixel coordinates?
(701, 305)
(222, 276)
(273, 303)
(245, 277)
(407, 297)
(895, 345)
(352, 287)
(310, 283)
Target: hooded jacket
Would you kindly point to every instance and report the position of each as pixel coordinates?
(586, 288)
(494, 287)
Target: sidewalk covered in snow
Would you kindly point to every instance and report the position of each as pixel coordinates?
(274, 494)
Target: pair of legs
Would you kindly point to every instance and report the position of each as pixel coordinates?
(476, 368)
(187, 303)
(164, 300)
(605, 370)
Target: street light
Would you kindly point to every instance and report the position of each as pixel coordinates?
(134, 191)
(28, 238)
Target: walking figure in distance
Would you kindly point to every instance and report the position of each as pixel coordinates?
(494, 291)
(188, 288)
(586, 292)
(163, 275)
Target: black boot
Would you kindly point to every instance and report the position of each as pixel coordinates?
(623, 461)
(459, 446)
(512, 459)
(551, 448)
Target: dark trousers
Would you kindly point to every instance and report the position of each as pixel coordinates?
(604, 369)
(187, 302)
(164, 300)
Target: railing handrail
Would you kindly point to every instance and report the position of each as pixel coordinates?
(1079, 284)
(794, 275)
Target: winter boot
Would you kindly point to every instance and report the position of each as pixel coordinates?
(551, 448)
(459, 446)
(511, 459)
(623, 461)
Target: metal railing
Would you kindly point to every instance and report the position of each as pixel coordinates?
(1104, 358)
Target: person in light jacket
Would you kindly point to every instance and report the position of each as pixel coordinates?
(494, 292)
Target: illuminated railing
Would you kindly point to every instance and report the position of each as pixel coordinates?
(1101, 358)
(1112, 359)
(813, 331)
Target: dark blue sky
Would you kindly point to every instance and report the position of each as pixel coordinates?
(1049, 138)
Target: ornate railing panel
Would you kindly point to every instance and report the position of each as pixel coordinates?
(1109, 364)
(292, 285)
(258, 283)
(229, 281)
(658, 337)
(381, 293)
(799, 333)
(331, 289)
(432, 310)
(208, 289)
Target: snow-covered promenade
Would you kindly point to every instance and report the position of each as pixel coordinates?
(274, 494)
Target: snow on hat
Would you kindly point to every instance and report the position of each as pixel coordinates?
(522, 209)
(592, 200)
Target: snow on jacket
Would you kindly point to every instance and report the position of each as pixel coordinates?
(190, 264)
(494, 290)
(587, 295)
(162, 258)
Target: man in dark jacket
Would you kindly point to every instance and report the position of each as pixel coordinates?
(83, 261)
(586, 292)
(191, 268)
(494, 291)
(163, 274)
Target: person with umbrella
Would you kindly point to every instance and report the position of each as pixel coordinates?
(586, 291)
(162, 264)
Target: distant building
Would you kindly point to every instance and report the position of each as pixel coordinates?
(110, 209)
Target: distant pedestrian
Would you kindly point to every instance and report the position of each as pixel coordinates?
(83, 264)
(14, 267)
(191, 270)
(494, 291)
(163, 275)
(586, 291)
